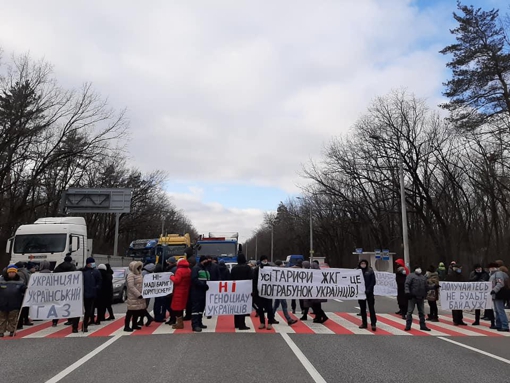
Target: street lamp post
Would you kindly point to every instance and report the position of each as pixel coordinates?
(403, 203)
(272, 231)
(311, 230)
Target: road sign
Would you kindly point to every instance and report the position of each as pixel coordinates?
(359, 251)
(97, 200)
(377, 253)
(386, 255)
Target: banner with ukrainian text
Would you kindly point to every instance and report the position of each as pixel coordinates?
(465, 295)
(385, 284)
(286, 282)
(55, 296)
(228, 298)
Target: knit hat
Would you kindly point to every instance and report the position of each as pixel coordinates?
(12, 269)
(68, 259)
(90, 260)
(101, 267)
(171, 260)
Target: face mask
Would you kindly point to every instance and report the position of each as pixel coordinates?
(92, 265)
(478, 271)
(264, 263)
(459, 271)
(403, 272)
(417, 271)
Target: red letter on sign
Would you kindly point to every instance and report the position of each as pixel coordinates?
(223, 286)
(233, 287)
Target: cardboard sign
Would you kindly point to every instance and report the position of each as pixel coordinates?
(465, 295)
(228, 298)
(157, 285)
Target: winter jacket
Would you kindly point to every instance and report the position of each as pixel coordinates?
(214, 271)
(400, 262)
(182, 283)
(11, 293)
(24, 274)
(369, 277)
(134, 287)
(224, 272)
(105, 294)
(44, 267)
(199, 277)
(65, 267)
(479, 277)
(91, 282)
(500, 283)
(400, 278)
(241, 272)
(149, 268)
(416, 286)
(433, 284)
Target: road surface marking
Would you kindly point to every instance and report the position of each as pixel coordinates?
(82, 361)
(348, 325)
(317, 378)
(476, 350)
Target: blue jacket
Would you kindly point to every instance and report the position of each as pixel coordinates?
(11, 294)
(91, 282)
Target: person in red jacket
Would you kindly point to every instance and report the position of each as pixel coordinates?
(182, 283)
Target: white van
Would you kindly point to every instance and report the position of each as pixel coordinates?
(50, 239)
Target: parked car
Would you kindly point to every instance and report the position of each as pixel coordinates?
(120, 283)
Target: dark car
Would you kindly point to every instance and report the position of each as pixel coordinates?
(119, 283)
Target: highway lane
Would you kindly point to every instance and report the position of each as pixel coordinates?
(229, 357)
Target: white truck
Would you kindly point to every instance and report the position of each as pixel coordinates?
(50, 239)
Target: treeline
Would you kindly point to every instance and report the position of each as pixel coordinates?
(52, 138)
(456, 169)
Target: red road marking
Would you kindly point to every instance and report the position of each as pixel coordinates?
(225, 323)
(110, 328)
(300, 327)
(392, 323)
(357, 321)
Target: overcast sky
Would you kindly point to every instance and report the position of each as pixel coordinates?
(231, 98)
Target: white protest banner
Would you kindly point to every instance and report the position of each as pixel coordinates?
(228, 298)
(157, 285)
(465, 295)
(55, 296)
(286, 282)
(385, 284)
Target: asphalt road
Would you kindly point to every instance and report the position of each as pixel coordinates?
(228, 357)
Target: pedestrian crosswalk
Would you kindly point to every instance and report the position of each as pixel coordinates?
(339, 323)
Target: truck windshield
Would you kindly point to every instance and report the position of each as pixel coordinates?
(40, 243)
(218, 249)
(176, 249)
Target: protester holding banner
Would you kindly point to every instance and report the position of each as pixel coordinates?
(283, 302)
(241, 272)
(65, 267)
(320, 315)
(400, 277)
(369, 278)
(416, 290)
(199, 277)
(105, 293)
(25, 277)
(91, 288)
(11, 299)
(479, 275)
(182, 283)
(263, 304)
(136, 305)
(456, 276)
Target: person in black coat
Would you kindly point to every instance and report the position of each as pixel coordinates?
(91, 287)
(456, 276)
(263, 304)
(369, 277)
(241, 272)
(480, 275)
(105, 293)
(66, 267)
(224, 272)
(109, 304)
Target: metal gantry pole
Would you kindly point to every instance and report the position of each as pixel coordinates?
(272, 227)
(311, 235)
(404, 213)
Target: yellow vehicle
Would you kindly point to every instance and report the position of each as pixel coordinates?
(172, 245)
